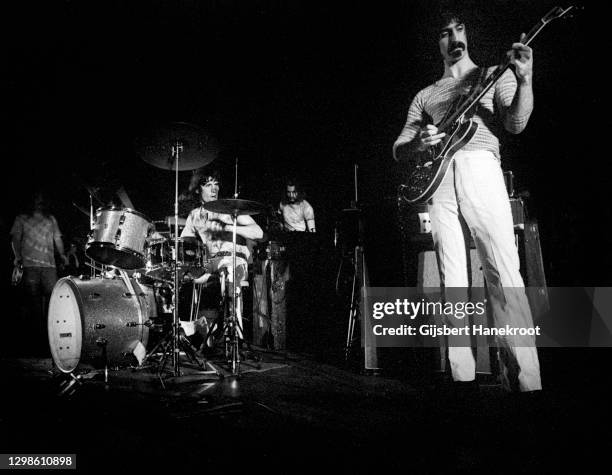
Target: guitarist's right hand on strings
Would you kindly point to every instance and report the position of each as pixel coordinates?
(429, 137)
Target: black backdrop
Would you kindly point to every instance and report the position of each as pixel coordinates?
(305, 88)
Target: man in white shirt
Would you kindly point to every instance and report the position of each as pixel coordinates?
(297, 213)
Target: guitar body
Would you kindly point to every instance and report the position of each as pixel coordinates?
(430, 167)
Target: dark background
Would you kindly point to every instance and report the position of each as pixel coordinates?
(305, 88)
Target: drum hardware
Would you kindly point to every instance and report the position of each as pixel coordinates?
(232, 329)
(68, 383)
(165, 347)
(354, 302)
(179, 147)
(94, 267)
(229, 324)
(91, 226)
(143, 278)
(92, 193)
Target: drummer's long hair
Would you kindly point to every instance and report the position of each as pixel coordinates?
(191, 197)
(201, 178)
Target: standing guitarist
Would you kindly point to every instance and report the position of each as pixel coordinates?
(472, 197)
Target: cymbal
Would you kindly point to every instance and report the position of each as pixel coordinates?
(197, 146)
(235, 206)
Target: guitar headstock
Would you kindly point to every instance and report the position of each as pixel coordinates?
(556, 12)
(559, 12)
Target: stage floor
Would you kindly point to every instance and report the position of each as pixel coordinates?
(290, 411)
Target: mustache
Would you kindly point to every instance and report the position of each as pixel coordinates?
(456, 44)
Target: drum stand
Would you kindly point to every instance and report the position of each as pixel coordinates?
(166, 346)
(232, 329)
(176, 341)
(229, 320)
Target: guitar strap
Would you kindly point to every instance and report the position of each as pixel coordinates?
(477, 82)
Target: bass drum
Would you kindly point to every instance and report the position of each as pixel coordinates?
(99, 321)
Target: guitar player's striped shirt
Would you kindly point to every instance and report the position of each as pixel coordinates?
(430, 105)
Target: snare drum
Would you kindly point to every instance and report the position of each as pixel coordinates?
(191, 253)
(99, 321)
(119, 238)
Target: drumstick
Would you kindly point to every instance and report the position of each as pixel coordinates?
(125, 199)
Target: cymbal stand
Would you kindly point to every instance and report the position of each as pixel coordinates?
(178, 339)
(92, 223)
(233, 330)
(177, 148)
(355, 296)
(353, 309)
(357, 309)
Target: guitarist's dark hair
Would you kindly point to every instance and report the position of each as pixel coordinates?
(446, 16)
(460, 11)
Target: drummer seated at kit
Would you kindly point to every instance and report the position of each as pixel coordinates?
(216, 229)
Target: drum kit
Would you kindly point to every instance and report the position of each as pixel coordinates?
(107, 318)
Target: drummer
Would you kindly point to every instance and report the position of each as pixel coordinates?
(216, 229)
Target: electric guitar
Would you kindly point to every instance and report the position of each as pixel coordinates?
(431, 165)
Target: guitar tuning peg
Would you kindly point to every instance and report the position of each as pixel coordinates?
(571, 11)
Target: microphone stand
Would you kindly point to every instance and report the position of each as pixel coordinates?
(360, 284)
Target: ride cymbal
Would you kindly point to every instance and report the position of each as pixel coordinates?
(195, 146)
(235, 207)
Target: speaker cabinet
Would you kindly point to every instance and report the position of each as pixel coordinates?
(270, 305)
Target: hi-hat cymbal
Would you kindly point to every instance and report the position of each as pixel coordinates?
(235, 207)
(195, 145)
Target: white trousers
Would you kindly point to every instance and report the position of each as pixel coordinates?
(472, 199)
